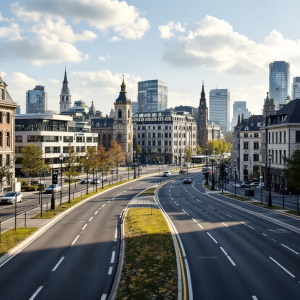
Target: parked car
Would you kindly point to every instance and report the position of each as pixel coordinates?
(254, 184)
(187, 180)
(10, 198)
(167, 173)
(86, 180)
(238, 185)
(56, 188)
(182, 171)
(98, 180)
(114, 171)
(245, 184)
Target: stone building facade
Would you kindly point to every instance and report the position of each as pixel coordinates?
(119, 127)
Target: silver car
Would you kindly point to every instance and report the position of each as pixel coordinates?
(11, 197)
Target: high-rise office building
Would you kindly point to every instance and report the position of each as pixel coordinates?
(36, 100)
(296, 88)
(219, 108)
(152, 95)
(239, 108)
(279, 82)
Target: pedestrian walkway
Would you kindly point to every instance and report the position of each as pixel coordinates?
(143, 201)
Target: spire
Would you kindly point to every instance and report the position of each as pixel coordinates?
(123, 94)
(202, 98)
(65, 78)
(267, 100)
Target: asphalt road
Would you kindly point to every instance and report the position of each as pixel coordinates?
(31, 199)
(231, 252)
(76, 257)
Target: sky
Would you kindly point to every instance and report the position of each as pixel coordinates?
(227, 44)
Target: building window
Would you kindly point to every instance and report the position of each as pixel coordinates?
(284, 137)
(158, 143)
(255, 157)
(280, 137)
(153, 134)
(269, 138)
(256, 145)
(256, 134)
(276, 135)
(246, 145)
(245, 134)
(245, 157)
(120, 114)
(128, 113)
(104, 137)
(1, 139)
(149, 143)
(67, 139)
(153, 143)
(7, 118)
(7, 139)
(1, 117)
(159, 127)
(7, 159)
(297, 136)
(272, 137)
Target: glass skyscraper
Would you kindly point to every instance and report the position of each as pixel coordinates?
(152, 95)
(219, 108)
(279, 82)
(296, 88)
(239, 108)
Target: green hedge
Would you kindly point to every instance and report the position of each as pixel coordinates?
(29, 188)
(23, 182)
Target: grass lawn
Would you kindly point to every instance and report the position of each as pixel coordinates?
(65, 205)
(12, 237)
(149, 192)
(149, 270)
(207, 186)
(236, 197)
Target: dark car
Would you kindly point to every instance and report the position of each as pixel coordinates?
(182, 171)
(244, 184)
(187, 180)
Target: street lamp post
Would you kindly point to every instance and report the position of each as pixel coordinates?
(206, 171)
(87, 173)
(52, 194)
(61, 157)
(212, 175)
(96, 178)
(270, 196)
(134, 166)
(260, 183)
(93, 180)
(283, 188)
(138, 162)
(222, 167)
(234, 181)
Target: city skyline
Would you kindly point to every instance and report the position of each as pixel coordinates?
(38, 42)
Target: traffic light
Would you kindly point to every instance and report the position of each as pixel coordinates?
(54, 178)
(222, 171)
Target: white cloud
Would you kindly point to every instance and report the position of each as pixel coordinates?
(40, 50)
(13, 31)
(63, 31)
(166, 30)
(115, 39)
(3, 19)
(102, 58)
(214, 45)
(23, 15)
(101, 14)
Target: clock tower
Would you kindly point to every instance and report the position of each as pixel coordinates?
(202, 130)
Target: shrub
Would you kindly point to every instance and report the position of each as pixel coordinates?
(29, 188)
(23, 181)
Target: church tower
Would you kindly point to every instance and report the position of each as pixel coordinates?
(65, 96)
(122, 126)
(202, 130)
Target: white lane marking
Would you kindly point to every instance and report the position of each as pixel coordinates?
(103, 205)
(56, 266)
(254, 298)
(274, 240)
(289, 248)
(264, 234)
(176, 204)
(185, 212)
(75, 240)
(200, 225)
(283, 268)
(90, 219)
(189, 280)
(229, 258)
(96, 212)
(247, 225)
(194, 220)
(228, 216)
(212, 238)
(210, 207)
(113, 257)
(84, 227)
(35, 294)
(110, 270)
(116, 233)
(104, 295)
(224, 224)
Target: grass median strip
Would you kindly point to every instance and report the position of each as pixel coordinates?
(65, 205)
(149, 270)
(12, 237)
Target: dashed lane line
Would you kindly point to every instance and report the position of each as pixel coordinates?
(290, 249)
(283, 268)
(200, 225)
(212, 237)
(224, 224)
(113, 257)
(35, 294)
(75, 240)
(110, 270)
(229, 258)
(84, 227)
(59, 262)
(90, 219)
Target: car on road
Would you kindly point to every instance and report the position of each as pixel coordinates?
(10, 198)
(167, 173)
(254, 184)
(86, 180)
(182, 171)
(56, 188)
(238, 185)
(187, 180)
(114, 171)
(244, 184)
(98, 180)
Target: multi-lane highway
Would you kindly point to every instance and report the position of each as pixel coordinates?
(76, 257)
(232, 250)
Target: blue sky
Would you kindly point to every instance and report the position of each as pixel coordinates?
(228, 44)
